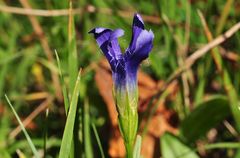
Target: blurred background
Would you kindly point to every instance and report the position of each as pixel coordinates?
(182, 114)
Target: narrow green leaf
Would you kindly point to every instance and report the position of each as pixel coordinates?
(34, 150)
(172, 147)
(3, 72)
(68, 130)
(72, 51)
(86, 129)
(232, 97)
(222, 145)
(98, 140)
(137, 147)
(49, 65)
(45, 133)
(72, 68)
(207, 115)
(64, 89)
(224, 15)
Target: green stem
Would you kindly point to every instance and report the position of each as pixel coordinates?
(129, 149)
(127, 118)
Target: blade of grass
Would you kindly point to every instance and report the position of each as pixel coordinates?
(3, 72)
(137, 147)
(45, 134)
(222, 145)
(224, 15)
(34, 150)
(68, 130)
(72, 51)
(64, 89)
(98, 140)
(72, 70)
(48, 64)
(86, 129)
(214, 52)
(11, 57)
(232, 96)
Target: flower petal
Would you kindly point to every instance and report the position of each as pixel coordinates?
(141, 43)
(137, 21)
(144, 45)
(107, 41)
(137, 28)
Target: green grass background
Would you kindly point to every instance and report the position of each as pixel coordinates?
(25, 69)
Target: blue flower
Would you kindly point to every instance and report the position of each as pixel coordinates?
(124, 65)
(124, 71)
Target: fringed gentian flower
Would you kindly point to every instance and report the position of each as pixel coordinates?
(124, 72)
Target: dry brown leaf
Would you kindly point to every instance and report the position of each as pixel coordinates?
(148, 144)
(159, 124)
(103, 80)
(145, 81)
(116, 144)
(1, 108)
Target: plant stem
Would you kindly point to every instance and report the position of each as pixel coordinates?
(129, 149)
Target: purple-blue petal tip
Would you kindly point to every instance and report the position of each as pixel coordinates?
(116, 33)
(98, 30)
(137, 21)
